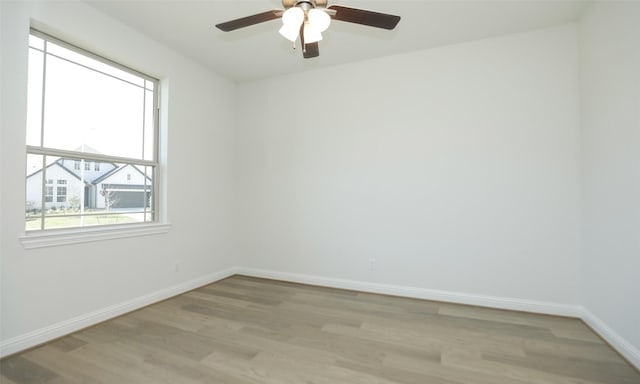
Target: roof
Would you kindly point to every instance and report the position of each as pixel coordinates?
(116, 170)
(57, 162)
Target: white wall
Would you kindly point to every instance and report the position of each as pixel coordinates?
(610, 77)
(456, 168)
(44, 287)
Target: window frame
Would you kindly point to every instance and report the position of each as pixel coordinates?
(57, 236)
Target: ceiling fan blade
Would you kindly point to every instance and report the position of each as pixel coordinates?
(308, 50)
(249, 20)
(311, 50)
(360, 16)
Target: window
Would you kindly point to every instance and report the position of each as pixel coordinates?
(48, 195)
(61, 194)
(83, 108)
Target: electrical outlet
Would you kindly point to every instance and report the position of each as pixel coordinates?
(176, 265)
(372, 264)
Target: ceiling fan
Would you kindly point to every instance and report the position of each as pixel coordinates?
(307, 19)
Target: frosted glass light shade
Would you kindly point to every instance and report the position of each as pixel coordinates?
(319, 19)
(290, 31)
(292, 19)
(293, 16)
(311, 34)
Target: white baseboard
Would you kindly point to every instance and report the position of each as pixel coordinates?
(422, 293)
(631, 353)
(43, 335)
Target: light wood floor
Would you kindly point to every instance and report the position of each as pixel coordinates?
(246, 330)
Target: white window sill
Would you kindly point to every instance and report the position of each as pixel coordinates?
(52, 238)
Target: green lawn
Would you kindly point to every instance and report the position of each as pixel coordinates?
(61, 221)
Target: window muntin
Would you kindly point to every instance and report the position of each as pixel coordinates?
(90, 123)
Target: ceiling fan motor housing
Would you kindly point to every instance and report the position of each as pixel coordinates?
(304, 4)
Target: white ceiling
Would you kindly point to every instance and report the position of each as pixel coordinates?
(259, 51)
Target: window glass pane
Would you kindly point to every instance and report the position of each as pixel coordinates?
(62, 219)
(127, 188)
(118, 193)
(149, 195)
(37, 197)
(34, 164)
(33, 221)
(86, 61)
(36, 42)
(149, 126)
(69, 194)
(33, 202)
(87, 111)
(34, 97)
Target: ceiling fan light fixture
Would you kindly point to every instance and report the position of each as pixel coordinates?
(318, 19)
(307, 19)
(311, 34)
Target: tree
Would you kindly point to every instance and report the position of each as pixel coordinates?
(110, 199)
(30, 206)
(74, 201)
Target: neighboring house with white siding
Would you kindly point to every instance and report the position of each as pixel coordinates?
(101, 185)
(62, 188)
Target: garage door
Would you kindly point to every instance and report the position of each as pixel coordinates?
(128, 199)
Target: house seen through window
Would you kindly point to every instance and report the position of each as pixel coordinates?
(91, 127)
